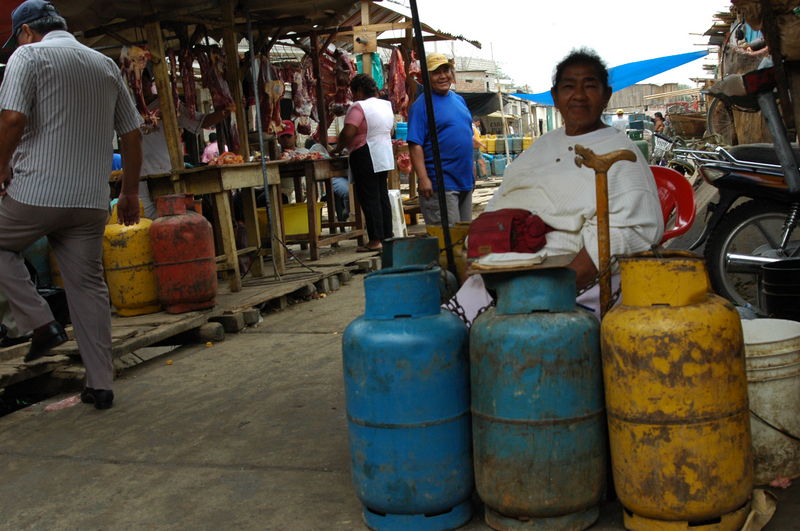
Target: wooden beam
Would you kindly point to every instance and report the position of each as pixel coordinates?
(230, 41)
(321, 111)
(169, 119)
(366, 58)
(151, 16)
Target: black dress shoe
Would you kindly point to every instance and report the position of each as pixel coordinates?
(44, 339)
(6, 341)
(101, 398)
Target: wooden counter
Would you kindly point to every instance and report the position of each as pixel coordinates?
(219, 181)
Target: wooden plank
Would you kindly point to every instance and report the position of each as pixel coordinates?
(169, 119)
(276, 228)
(222, 212)
(230, 41)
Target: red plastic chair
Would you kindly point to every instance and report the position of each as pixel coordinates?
(675, 194)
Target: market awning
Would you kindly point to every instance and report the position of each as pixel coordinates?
(628, 74)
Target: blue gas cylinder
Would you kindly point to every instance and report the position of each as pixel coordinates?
(421, 251)
(538, 419)
(499, 165)
(406, 382)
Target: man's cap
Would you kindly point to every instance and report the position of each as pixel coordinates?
(288, 128)
(27, 12)
(620, 111)
(435, 60)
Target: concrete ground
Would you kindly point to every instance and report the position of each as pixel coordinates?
(249, 433)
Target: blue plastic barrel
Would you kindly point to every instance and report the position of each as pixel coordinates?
(406, 382)
(537, 404)
(499, 165)
(401, 130)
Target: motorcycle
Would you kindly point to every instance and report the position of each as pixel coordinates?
(754, 220)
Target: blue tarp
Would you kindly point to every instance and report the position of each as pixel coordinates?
(628, 74)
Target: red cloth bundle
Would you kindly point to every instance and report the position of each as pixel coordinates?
(506, 230)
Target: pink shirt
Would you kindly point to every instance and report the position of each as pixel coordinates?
(210, 152)
(355, 117)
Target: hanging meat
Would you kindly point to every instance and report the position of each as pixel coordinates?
(396, 84)
(187, 80)
(212, 73)
(414, 70)
(271, 92)
(133, 61)
(336, 70)
(173, 77)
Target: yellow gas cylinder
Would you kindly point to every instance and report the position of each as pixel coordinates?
(458, 234)
(128, 264)
(491, 144)
(526, 142)
(485, 140)
(676, 397)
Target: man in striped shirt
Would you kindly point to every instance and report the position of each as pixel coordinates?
(60, 105)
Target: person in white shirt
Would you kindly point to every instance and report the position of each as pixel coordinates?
(546, 181)
(620, 122)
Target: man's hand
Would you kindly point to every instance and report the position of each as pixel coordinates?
(425, 188)
(5, 179)
(128, 209)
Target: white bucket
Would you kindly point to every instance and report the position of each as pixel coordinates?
(772, 349)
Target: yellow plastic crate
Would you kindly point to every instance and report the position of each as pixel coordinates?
(295, 219)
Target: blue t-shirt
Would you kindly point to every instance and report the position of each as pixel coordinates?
(454, 129)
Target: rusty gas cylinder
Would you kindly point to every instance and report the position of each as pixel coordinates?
(538, 429)
(183, 254)
(676, 396)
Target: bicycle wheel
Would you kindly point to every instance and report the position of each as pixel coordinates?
(719, 121)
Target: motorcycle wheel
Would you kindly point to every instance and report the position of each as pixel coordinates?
(753, 228)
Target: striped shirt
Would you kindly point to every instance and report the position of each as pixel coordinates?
(74, 99)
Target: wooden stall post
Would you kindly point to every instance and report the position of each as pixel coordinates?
(321, 111)
(169, 119)
(230, 43)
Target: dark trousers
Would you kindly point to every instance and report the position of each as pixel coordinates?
(372, 193)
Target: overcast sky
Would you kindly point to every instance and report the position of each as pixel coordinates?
(530, 36)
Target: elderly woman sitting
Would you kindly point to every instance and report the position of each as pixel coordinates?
(546, 181)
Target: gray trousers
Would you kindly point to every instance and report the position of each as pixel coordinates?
(459, 207)
(76, 237)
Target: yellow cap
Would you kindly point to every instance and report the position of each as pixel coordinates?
(620, 111)
(435, 60)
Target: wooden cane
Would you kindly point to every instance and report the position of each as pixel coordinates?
(600, 164)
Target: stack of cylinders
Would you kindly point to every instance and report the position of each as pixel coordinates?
(526, 142)
(676, 395)
(421, 251)
(537, 404)
(407, 391)
(491, 144)
(517, 144)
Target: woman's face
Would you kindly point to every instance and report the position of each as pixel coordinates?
(580, 97)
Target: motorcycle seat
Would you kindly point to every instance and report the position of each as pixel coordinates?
(763, 153)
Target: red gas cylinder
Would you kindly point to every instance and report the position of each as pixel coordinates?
(183, 254)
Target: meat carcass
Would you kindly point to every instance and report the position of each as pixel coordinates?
(133, 61)
(414, 70)
(397, 84)
(173, 78)
(336, 69)
(271, 89)
(187, 80)
(212, 73)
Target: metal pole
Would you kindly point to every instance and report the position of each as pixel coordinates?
(260, 129)
(437, 158)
